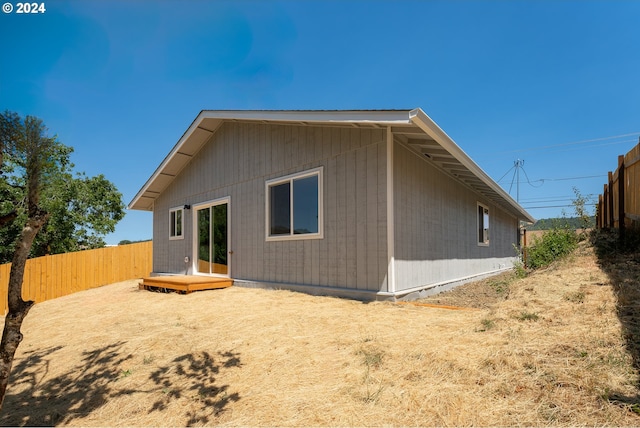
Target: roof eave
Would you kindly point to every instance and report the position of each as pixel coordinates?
(133, 205)
(344, 117)
(415, 117)
(381, 117)
(422, 120)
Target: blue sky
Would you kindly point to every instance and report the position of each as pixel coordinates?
(553, 83)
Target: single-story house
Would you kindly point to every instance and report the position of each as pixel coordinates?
(364, 204)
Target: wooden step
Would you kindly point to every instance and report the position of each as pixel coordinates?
(184, 283)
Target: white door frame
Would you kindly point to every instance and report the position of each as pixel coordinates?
(194, 252)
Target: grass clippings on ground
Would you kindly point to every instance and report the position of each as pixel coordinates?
(549, 349)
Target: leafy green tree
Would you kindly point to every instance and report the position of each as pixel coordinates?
(586, 221)
(38, 193)
(81, 209)
(85, 209)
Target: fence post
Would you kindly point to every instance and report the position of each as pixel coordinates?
(621, 189)
(611, 217)
(599, 213)
(605, 206)
(524, 251)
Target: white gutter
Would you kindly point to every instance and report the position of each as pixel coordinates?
(420, 119)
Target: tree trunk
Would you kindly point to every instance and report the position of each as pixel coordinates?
(18, 308)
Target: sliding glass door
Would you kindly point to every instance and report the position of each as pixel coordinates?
(212, 238)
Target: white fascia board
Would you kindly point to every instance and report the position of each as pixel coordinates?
(381, 117)
(167, 159)
(422, 120)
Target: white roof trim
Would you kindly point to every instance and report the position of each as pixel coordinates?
(194, 138)
(422, 120)
(371, 117)
(382, 117)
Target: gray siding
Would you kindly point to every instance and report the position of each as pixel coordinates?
(435, 226)
(238, 160)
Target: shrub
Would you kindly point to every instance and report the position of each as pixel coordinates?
(552, 245)
(518, 268)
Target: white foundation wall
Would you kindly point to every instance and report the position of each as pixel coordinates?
(425, 274)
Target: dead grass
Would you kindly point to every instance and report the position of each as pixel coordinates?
(117, 356)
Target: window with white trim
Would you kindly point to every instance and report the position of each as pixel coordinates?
(176, 223)
(483, 225)
(294, 206)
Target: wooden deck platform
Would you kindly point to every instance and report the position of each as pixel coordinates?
(184, 283)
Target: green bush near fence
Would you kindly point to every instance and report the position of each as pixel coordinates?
(562, 238)
(554, 244)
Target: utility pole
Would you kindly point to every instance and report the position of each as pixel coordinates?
(519, 163)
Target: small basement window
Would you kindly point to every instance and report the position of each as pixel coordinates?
(483, 225)
(176, 223)
(294, 206)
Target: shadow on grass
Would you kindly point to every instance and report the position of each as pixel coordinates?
(61, 399)
(621, 263)
(193, 376)
(41, 400)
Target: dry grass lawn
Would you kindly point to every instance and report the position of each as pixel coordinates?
(549, 349)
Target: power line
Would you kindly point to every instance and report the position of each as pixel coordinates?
(528, 181)
(561, 196)
(565, 178)
(556, 201)
(578, 142)
(592, 146)
(558, 198)
(584, 177)
(555, 206)
(589, 200)
(571, 178)
(505, 174)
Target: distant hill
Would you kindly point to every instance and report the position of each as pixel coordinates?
(127, 242)
(549, 223)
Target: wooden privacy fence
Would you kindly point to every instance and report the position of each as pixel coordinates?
(54, 276)
(619, 204)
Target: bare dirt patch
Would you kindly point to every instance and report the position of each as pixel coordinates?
(552, 352)
(481, 294)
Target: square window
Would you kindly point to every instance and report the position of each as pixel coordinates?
(176, 223)
(294, 206)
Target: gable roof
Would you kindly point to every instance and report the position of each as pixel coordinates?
(411, 127)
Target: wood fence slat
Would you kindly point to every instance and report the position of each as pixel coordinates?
(26, 279)
(70, 266)
(36, 279)
(620, 200)
(58, 279)
(55, 276)
(4, 282)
